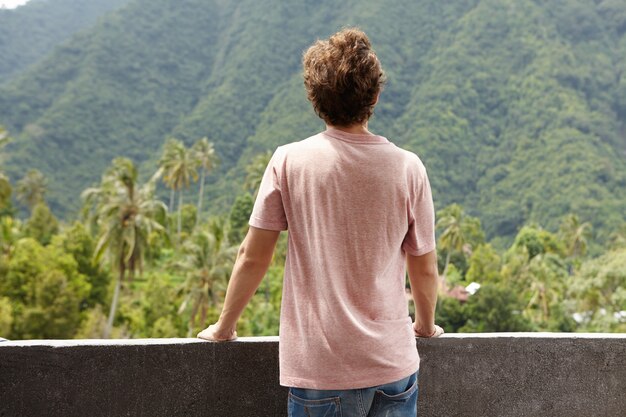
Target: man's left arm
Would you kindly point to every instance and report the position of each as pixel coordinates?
(253, 260)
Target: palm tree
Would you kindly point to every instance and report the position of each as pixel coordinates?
(543, 280)
(166, 156)
(204, 153)
(4, 139)
(31, 188)
(618, 238)
(208, 262)
(125, 215)
(575, 235)
(10, 231)
(450, 219)
(179, 168)
(5, 194)
(255, 171)
(5, 185)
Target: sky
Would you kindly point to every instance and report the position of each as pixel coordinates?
(11, 4)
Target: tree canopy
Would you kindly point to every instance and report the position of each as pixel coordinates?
(516, 107)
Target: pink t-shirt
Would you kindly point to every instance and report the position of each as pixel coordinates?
(353, 204)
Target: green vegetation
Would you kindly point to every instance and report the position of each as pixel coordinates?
(5, 186)
(30, 32)
(516, 107)
(538, 284)
(126, 216)
(57, 279)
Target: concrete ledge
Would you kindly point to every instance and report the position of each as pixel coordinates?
(508, 374)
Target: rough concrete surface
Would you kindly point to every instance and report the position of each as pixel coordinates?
(186, 379)
(461, 375)
(567, 375)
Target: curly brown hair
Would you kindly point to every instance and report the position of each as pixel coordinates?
(343, 77)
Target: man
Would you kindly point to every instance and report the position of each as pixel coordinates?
(360, 214)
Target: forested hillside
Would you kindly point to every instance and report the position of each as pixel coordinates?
(517, 107)
(30, 32)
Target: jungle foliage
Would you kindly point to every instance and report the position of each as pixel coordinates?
(128, 256)
(116, 219)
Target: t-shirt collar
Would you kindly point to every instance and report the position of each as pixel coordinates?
(355, 137)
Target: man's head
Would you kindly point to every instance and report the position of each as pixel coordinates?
(343, 78)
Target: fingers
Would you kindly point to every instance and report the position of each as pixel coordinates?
(438, 331)
(435, 333)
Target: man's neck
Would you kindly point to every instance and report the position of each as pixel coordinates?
(359, 129)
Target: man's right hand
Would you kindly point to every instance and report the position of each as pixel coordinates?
(436, 331)
(214, 333)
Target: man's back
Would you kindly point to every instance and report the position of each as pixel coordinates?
(348, 201)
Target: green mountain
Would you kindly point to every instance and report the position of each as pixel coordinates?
(517, 107)
(30, 32)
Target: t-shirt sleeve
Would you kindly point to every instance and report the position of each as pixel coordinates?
(269, 212)
(420, 236)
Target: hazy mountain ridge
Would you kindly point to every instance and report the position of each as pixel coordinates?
(516, 107)
(30, 32)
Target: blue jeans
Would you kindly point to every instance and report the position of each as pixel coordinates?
(396, 399)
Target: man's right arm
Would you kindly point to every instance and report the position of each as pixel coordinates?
(424, 280)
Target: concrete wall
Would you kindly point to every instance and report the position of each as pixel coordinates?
(497, 375)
